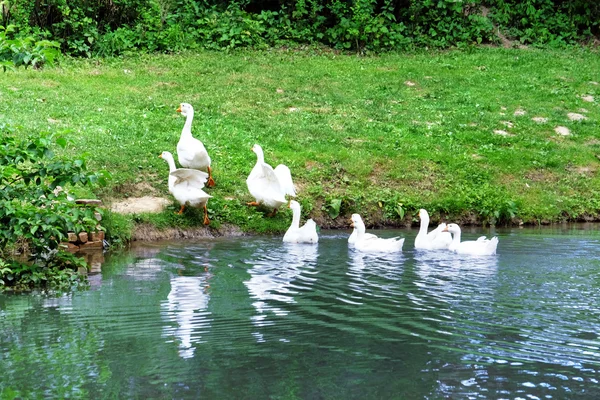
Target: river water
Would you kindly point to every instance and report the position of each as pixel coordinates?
(253, 318)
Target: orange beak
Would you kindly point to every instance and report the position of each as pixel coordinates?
(160, 156)
(178, 109)
(290, 204)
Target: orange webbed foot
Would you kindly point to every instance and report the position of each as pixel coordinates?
(206, 220)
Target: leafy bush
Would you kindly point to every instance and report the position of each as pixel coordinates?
(445, 23)
(36, 214)
(556, 22)
(25, 51)
(111, 27)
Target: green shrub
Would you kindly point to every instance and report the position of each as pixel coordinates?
(555, 22)
(114, 27)
(25, 51)
(445, 23)
(36, 214)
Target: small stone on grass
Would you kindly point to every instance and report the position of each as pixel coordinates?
(588, 98)
(576, 117)
(562, 130)
(520, 112)
(540, 120)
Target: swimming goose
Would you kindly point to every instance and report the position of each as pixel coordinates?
(354, 234)
(186, 185)
(374, 243)
(191, 151)
(480, 247)
(296, 234)
(269, 186)
(434, 240)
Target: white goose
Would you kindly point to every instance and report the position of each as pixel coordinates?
(191, 151)
(479, 247)
(373, 243)
(296, 234)
(186, 185)
(269, 186)
(436, 239)
(354, 234)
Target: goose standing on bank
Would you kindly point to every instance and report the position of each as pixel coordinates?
(191, 151)
(306, 233)
(186, 186)
(373, 243)
(269, 186)
(437, 239)
(479, 247)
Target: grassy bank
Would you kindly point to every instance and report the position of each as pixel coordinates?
(452, 132)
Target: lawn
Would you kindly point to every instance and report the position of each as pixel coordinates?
(469, 135)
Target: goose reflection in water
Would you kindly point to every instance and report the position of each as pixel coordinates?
(374, 274)
(274, 278)
(186, 306)
(452, 278)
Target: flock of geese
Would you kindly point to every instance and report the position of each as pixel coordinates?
(269, 186)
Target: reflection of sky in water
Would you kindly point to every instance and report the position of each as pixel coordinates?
(274, 278)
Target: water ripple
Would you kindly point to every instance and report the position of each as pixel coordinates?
(230, 318)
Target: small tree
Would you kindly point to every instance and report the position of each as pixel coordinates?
(35, 214)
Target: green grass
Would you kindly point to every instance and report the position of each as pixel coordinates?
(350, 128)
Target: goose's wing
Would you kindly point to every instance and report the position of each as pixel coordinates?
(480, 246)
(190, 177)
(309, 232)
(284, 175)
(263, 183)
(381, 244)
(441, 241)
(434, 233)
(192, 153)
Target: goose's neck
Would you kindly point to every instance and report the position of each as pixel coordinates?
(456, 238)
(360, 231)
(424, 226)
(296, 219)
(187, 127)
(260, 157)
(171, 163)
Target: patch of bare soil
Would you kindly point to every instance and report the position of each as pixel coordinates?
(146, 232)
(146, 204)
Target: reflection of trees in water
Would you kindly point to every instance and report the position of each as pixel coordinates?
(55, 361)
(272, 280)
